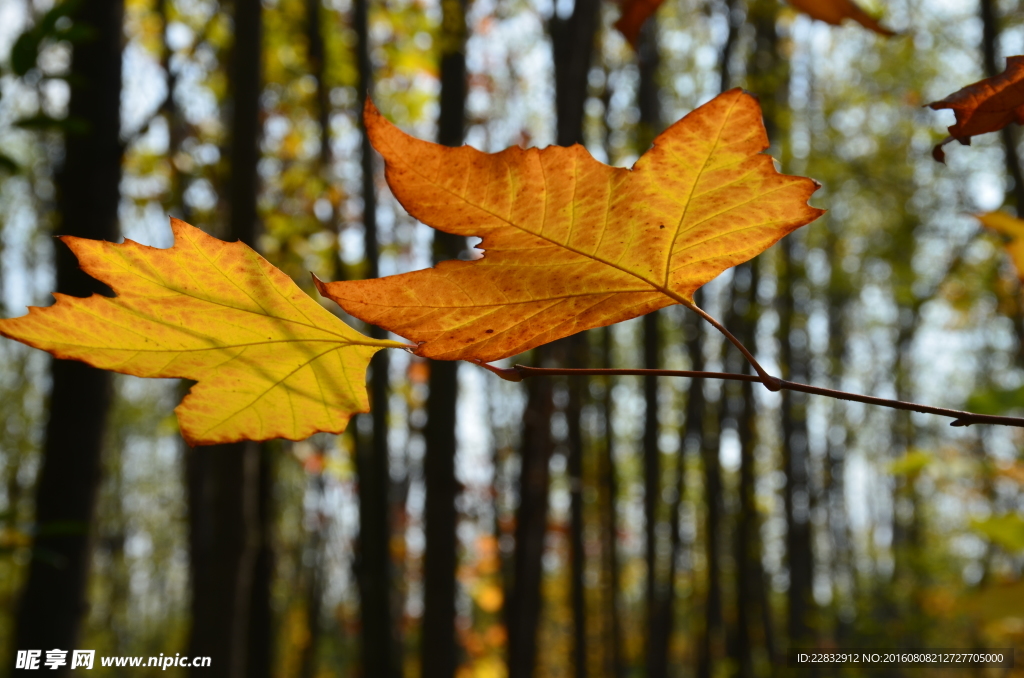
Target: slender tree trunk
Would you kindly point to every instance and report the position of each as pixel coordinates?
(313, 560)
(613, 611)
(315, 575)
(838, 300)
(694, 438)
(439, 648)
(373, 560)
(768, 76)
(650, 125)
(53, 600)
(749, 572)
(229, 485)
(665, 620)
(174, 201)
(578, 357)
(714, 627)
(572, 43)
(795, 458)
(523, 609)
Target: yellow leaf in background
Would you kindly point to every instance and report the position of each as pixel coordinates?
(1006, 531)
(270, 362)
(995, 601)
(1013, 231)
(489, 597)
(570, 242)
(910, 464)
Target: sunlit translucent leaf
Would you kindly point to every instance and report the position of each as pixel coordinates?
(1012, 229)
(1007, 530)
(572, 243)
(269, 361)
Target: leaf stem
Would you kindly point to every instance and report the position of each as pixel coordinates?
(770, 382)
(959, 417)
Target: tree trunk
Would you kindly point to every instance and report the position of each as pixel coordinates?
(373, 559)
(578, 358)
(795, 458)
(229, 485)
(438, 645)
(572, 44)
(523, 609)
(750, 585)
(714, 627)
(650, 126)
(53, 600)
(313, 566)
(610, 547)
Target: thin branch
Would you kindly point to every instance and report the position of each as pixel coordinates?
(960, 418)
(770, 382)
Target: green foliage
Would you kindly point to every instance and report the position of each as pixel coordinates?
(1007, 531)
(55, 25)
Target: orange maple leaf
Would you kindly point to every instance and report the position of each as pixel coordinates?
(988, 105)
(834, 12)
(572, 243)
(636, 12)
(270, 362)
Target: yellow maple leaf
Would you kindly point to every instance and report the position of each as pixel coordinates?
(270, 362)
(1013, 230)
(572, 243)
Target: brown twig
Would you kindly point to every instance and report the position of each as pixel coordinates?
(770, 382)
(960, 418)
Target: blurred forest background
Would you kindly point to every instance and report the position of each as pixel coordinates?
(471, 527)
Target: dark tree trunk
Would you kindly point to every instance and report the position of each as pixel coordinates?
(750, 587)
(714, 627)
(314, 575)
(768, 77)
(693, 437)
(229, 485)
(523, 609)
(650, 125)
(610, 547)
(572, 44)
(664, 622)
(174, 202)
(578, 358)
(439, 648)
(313, 562)
(656, 662)
(797, 496)
(54, 598)
(373, 559)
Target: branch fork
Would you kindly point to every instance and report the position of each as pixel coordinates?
(772, 383)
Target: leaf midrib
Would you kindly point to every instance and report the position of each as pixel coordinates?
(660, 288)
